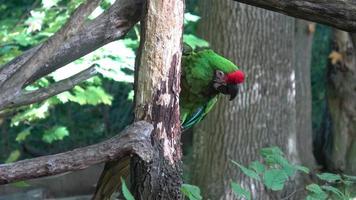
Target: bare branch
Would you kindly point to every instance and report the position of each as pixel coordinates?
(113, 24)
(49, 47)
(135, 139)
(41, 94)
(337, 13)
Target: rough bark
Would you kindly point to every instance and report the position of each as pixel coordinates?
(157, 100)
(264, 114)
(135, 139)
(157, 79)
(303, 41)
(338, 13)
(111, 25)
(341, 95)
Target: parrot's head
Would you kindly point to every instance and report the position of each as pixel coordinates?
(228, 83)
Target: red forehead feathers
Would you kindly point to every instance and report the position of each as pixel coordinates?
(235, 77)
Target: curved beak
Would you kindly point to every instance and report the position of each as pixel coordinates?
(232, 90)
(229, 89)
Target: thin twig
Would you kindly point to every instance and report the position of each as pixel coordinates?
(41, 94)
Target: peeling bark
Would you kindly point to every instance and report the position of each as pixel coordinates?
(157, 87)
(157, 100)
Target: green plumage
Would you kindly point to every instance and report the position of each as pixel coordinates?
(198, 96)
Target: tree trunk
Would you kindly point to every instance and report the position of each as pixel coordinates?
(264, 114)
(157, 100)
(341, 95)
(303, 41)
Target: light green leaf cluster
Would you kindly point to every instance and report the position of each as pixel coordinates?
(47, 4)
(33, 112)
(14, 156)
(54, 134)
(23, 135)
(194, 41)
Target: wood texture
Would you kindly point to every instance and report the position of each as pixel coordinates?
(157, 100)
(157, 87)
(134, 140)
(337, 13)
(341, 95)
(264, 112)
(303, 41)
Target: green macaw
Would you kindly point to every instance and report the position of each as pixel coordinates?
(205, 74)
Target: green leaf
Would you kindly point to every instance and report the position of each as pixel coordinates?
(49, 3)
(288, 168)
(14, 156)
(316, 192)
(258, 167)
(240, 192)
(91, 95)
(329, 177)
(271, 151)
(274, 179)
(247, 172)
(23, 135)
(314, 197)
(302, 168)
(190, 17)
(194, 41)
(64, 97)
(125, 191)
(274, 156)
(54, 134)
(334, 190)
(349, 177)
(131, 95)
(191, 191)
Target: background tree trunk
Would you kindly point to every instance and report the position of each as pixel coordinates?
(341, 95)
(303, 40)
(264, 114)
(157, 100)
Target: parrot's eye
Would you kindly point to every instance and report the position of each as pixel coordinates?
(219, 74)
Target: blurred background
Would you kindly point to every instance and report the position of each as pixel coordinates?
(297, 97)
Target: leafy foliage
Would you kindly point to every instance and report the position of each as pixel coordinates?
(50, 122)
(276, 171)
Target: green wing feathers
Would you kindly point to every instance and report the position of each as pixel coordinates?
(190, 119)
